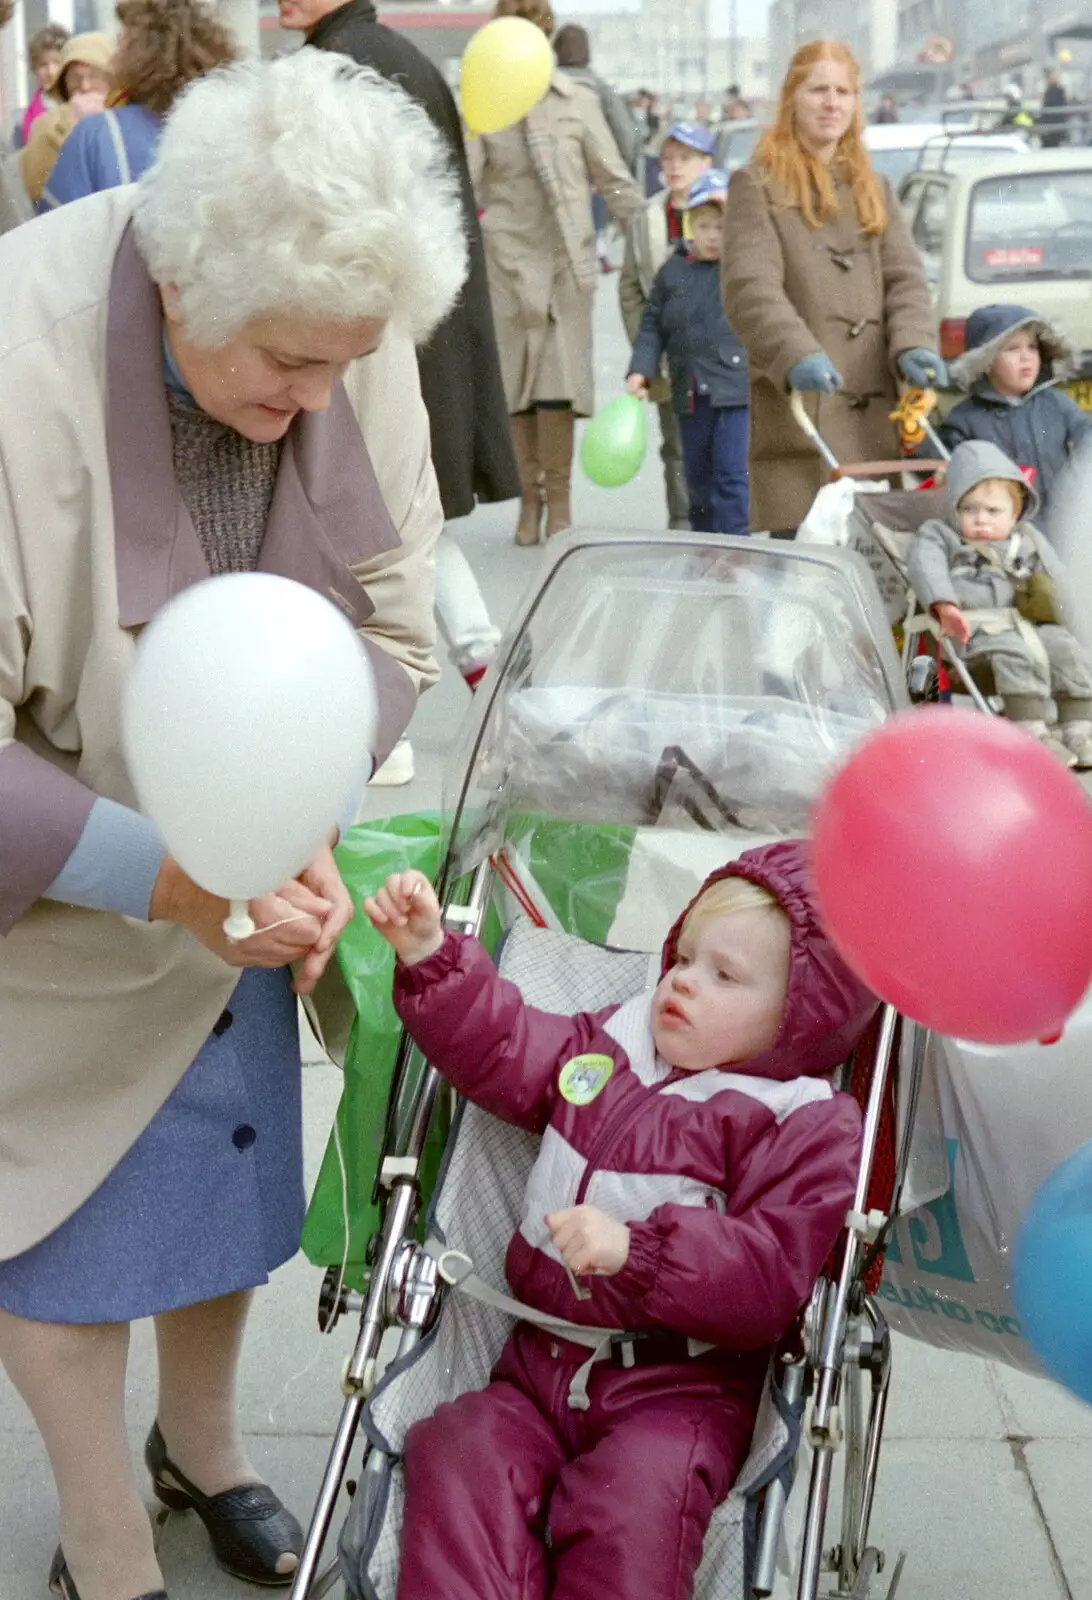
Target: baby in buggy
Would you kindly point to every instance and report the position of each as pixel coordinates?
(987, 575)
(695, 1170)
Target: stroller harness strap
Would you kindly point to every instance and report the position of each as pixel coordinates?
(457, 1270)
(992, 619)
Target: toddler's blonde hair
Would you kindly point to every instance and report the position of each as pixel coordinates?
(727, 898)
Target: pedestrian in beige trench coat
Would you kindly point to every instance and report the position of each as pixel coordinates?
(834, 303)
(534, 184)
(213, 371)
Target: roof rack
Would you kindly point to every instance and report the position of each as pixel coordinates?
(947, 140)
(974, 115)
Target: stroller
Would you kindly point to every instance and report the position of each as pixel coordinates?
(661, 704)
(855, 511)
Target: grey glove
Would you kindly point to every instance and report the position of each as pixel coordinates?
(815, 374)
(923, 369)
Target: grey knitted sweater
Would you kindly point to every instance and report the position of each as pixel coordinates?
(227, 484)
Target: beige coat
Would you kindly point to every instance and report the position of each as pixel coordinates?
(49, 131)
(647, 248)
(790, 290)
(102, 1014)
(540, 254)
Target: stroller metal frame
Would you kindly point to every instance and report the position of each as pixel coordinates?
(841, 1340)
(879, 469)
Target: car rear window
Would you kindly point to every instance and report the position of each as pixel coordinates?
(1028, 226)
(735, 148)
(894, 164)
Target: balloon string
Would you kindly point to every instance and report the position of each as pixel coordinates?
(283, 923)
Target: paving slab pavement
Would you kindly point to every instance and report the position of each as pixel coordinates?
(985, 1477)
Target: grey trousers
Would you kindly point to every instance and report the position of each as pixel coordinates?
(1018, 671)
(678, 496)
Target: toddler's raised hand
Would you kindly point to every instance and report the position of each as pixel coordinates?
(407, 913)
(587, 1240)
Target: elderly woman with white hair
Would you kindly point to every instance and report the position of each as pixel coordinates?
(221, 372)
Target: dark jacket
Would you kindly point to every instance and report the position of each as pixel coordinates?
(684, 318)
(1052, 118)
(459, 366)
(734, 1193)
(1040, 429)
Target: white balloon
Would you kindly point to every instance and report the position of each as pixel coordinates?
(248, 724)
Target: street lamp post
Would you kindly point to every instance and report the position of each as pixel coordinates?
(733, 41)
(1036, 15)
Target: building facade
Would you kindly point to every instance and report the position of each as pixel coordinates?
(869, 27)
(668, 47)
(996, 42)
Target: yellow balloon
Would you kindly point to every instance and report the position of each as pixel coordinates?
(505, 73)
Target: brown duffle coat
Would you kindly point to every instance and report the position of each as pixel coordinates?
(790, 290)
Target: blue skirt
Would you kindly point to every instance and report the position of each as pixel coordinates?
(208, 1200)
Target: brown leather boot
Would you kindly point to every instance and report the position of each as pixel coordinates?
(555, 451)
(524, 426)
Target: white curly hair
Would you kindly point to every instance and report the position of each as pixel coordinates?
(306, 186)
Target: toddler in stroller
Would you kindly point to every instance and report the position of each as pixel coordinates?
(695, 1170)
(987, 576)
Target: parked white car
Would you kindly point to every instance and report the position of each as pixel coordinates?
(897, 148)
(1016, 230)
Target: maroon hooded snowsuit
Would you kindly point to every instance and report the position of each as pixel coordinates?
(734, 1184)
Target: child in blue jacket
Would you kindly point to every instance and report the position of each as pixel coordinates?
(1013, 361)
(684, 317)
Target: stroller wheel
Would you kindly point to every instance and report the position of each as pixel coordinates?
(922, 679)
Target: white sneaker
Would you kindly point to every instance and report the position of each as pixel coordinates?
(397, 769)
(1048, 737)
(1077, 738)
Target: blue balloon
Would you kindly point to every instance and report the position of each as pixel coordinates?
(1052, 1273)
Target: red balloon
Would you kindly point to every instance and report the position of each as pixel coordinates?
(953, 867)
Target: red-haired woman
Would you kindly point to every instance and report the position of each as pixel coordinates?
(823, 285)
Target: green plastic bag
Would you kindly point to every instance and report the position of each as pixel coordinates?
(580, 869)
(367, 855)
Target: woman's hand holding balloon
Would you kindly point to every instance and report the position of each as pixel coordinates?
(290, 923)
(637, 384)
(321, 878)
(952, 621)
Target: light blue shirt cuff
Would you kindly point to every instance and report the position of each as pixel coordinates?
(114, 865)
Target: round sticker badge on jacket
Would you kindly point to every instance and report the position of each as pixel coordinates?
(583, 1077)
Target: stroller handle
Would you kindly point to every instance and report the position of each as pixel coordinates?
(796, 406)
(866, 469)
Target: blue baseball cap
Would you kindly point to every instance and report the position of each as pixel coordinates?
(711, 188)
(693, 134)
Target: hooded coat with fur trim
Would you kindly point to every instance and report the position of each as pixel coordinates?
(1038, 430)
(734, 1182)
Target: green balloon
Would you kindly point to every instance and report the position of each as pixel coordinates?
(613, 445)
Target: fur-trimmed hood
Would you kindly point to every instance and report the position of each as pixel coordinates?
(990, 326)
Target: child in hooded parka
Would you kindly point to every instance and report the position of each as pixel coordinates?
(695, 1169)
(1013, 362)
(991, 579)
